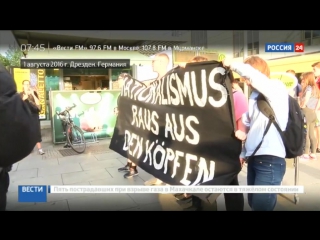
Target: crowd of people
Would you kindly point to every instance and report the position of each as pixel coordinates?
(266, 164)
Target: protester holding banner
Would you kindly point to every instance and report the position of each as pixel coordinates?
(195, 201)
(160, 66)
(181, 129)
(309, 102)
(130, 168)
(233, 201)
(266, 164)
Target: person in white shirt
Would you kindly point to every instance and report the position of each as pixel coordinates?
(268, 165)
(295, 92)
(309, 103)
(160, 65)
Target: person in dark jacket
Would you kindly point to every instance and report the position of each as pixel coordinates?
(13, 147)
(7, 85)
(4, 186)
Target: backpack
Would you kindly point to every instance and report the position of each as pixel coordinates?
(294, 136)
(18, 133)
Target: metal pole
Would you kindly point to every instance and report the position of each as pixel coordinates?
(296, 178)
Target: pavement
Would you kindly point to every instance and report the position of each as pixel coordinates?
(98, 166)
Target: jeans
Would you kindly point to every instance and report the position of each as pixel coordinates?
(264, 170)
(4, 185)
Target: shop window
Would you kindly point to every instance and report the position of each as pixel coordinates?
(183, 56)
(211, 56)
(52, 80)
(238, 43)
(311, 37)
(253, 42)
(116, 72)
(199, 38)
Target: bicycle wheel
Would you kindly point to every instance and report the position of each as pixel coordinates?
(76, 139)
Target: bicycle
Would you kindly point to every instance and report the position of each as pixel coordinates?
(73, 133)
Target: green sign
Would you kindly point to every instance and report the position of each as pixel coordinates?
(94, 112)
(52, 83)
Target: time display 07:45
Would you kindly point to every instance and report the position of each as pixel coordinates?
(30, 47)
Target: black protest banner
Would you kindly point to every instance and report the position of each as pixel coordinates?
(180, 129)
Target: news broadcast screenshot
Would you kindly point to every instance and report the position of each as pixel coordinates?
(160, 120)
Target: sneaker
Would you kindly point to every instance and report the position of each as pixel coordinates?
(313, 156)
(131, 173)
(304, 157)
(41, 152)
(126, 168)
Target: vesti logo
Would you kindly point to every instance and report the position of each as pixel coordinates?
(284, 47)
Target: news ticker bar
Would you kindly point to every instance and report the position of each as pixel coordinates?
(74, 63)
(38, 193)
(284, 47)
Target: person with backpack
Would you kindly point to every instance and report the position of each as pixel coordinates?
(269, 122)
(17, 135)
(309, 103)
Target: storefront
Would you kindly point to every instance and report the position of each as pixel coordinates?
(93, 113)
(41, 79)
(84, 79)
(300, 63)
(181, 57)
(91, 79)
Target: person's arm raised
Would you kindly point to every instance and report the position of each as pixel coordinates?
(273, 90)
(36, 98)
